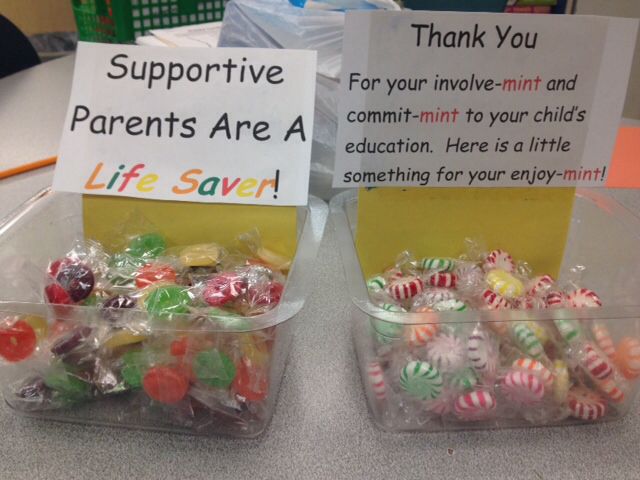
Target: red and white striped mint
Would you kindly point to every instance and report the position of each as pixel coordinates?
(556, 299)
(499, 259)
(523, 388)
(611, 390)
(539, 286)
(585, 404)
(596, 364)
(376, 379)
(405, 288)
(528, 302)
(603, 339)
(493, 301)
(432, 295)
(476, 405)
(584, 298)
(443, 279)
(393, 274)
(440, 406)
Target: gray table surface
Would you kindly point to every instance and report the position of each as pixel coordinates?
(321, 427)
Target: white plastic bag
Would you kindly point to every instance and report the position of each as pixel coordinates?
(279, 24)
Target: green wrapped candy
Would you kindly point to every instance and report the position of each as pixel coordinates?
(134, 365)
(149, 245)
(169, 300)
(90, 301)
(67, 384)
(214, 368)
(229, 320)
(122, 269)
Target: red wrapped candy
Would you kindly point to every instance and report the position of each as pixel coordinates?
(17, 341)
(224, 288)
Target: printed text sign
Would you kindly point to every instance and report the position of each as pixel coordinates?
(451, 99)
(199, 125)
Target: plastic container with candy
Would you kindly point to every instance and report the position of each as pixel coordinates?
(479, 342)
(191, 338)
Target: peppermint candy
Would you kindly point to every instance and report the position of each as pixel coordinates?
(421, 380)
(465, 379)
(539, 286)
(503, 283)
(376, 380)
(446, 352)
(479, 351)
(535, 367)
(526, 340)
(376, 284)
(569, 329)
(603, 339)
(556, 300)
(419, 335)
(584, 298)
(561, 382)
(474, 406)
(585, 404)
(493, 301)
(595, 363)
(499, 259)
(628, 357)
(438, 264)
(405, 288)
(611, 390)
(442, 279)
(452, 305)
(523, 388)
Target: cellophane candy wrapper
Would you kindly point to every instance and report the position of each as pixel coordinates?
(169, 334)
(483, 372)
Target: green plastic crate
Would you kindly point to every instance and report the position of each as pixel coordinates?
(122, 21)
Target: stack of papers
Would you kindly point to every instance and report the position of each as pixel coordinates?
(204, 35)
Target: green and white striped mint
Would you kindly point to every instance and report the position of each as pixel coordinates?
(439, 264)
(421, 380)
(376, 284)
(526, 340)
(391, 307)
(465, 379)
(569, 329)
(450, 305)
(386, 332)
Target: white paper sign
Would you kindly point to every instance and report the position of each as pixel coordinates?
(201, 125)
(480, 100)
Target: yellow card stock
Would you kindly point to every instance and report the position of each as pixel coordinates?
(184, 223)
(530, 223)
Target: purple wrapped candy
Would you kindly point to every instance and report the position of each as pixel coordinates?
(70, 341)
(77, 280)
(111, 306)
(33, 389)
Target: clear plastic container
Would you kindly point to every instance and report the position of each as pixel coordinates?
(603, 237)
(44, 228)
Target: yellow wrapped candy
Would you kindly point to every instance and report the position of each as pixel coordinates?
(122, 338)
(539, 331)
(200, 255)
(504, 283)
(256, 350)
(561, 382)
(273, 259)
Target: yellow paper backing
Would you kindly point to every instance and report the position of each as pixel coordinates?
(530, 223)
(185, 223)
